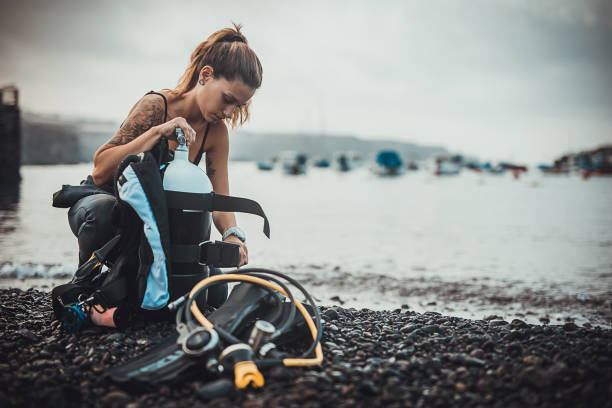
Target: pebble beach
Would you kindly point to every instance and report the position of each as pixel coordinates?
(372, 358)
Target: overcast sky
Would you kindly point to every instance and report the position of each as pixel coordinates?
(518, 80)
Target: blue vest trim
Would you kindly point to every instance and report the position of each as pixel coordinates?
(156, 295)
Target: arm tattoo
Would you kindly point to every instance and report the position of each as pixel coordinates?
(148, 113)
(209, 170)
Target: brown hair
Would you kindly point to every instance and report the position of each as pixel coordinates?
(228, 53)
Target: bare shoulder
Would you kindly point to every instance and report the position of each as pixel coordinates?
(218, 137)
(146, 113)
(217, 148)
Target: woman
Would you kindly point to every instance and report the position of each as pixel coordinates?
(215, 90)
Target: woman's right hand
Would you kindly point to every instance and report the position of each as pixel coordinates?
(168, 130)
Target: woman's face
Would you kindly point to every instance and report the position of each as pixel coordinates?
(218, 97)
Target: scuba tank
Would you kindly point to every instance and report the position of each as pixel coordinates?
(187, 227)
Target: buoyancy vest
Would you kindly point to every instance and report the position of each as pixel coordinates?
(139, 258)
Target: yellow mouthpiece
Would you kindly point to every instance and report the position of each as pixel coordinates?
(245, 373)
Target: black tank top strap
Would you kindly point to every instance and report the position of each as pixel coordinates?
(165, 103)
(160, 151)
(201, 151)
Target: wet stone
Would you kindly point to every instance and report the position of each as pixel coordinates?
(518, 323)
(375, 361)
(556, 370)
(28, 335)
(462, 362)
(42, 363)
(368, 388)
(570, 327)
(409, 328)
(116, 337)
(97, 369)
(465, 359)
(331, 314)
(337, 376)
(391, 372)
(115, 399)
(514, 349)
(332, 328)
(534, 377)
(532, 360)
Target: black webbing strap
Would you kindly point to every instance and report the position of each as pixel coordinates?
(102, 253)
(90, 271)
(216, 202)
(184, 253)
(220, 254)
(113, 293)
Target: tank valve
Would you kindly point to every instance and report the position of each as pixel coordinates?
(180, 136)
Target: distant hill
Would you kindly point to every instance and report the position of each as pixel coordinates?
(57, 140)
(262, 146)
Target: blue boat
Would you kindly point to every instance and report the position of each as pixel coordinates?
(489, 168)
(322, 163)
(388, 163)
(265, 165)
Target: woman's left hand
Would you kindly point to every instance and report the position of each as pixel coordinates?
(244, 253)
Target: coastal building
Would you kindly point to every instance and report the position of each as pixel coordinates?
(10, 137)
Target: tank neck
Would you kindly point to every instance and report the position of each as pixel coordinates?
(181, 154)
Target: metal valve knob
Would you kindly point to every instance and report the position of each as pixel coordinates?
(260, 334)
(180, 136)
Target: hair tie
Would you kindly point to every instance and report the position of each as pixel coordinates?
(234, 38)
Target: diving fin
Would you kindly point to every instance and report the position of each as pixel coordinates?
(169, 361)
(163, 363)
(244, 303)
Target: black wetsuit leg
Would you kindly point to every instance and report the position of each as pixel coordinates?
(90, 221)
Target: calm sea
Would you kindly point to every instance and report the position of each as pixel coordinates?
(538, 230)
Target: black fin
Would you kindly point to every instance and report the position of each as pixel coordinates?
(244, 302)
(166, 362)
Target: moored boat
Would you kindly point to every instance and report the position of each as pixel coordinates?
(293, 163)
(388, 163)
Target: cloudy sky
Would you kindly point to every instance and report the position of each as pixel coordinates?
(501, 79)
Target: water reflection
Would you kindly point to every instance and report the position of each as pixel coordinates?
(9, 203)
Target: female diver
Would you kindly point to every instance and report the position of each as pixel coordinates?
(215, 91)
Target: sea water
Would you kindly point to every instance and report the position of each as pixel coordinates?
(536, 230)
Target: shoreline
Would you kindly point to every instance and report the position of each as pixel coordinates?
(470, 299)
(372, 358)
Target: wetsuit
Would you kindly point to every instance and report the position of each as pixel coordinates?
(90, 220)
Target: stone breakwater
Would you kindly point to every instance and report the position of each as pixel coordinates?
(372, 358)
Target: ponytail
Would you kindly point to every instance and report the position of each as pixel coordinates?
(228, 53)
